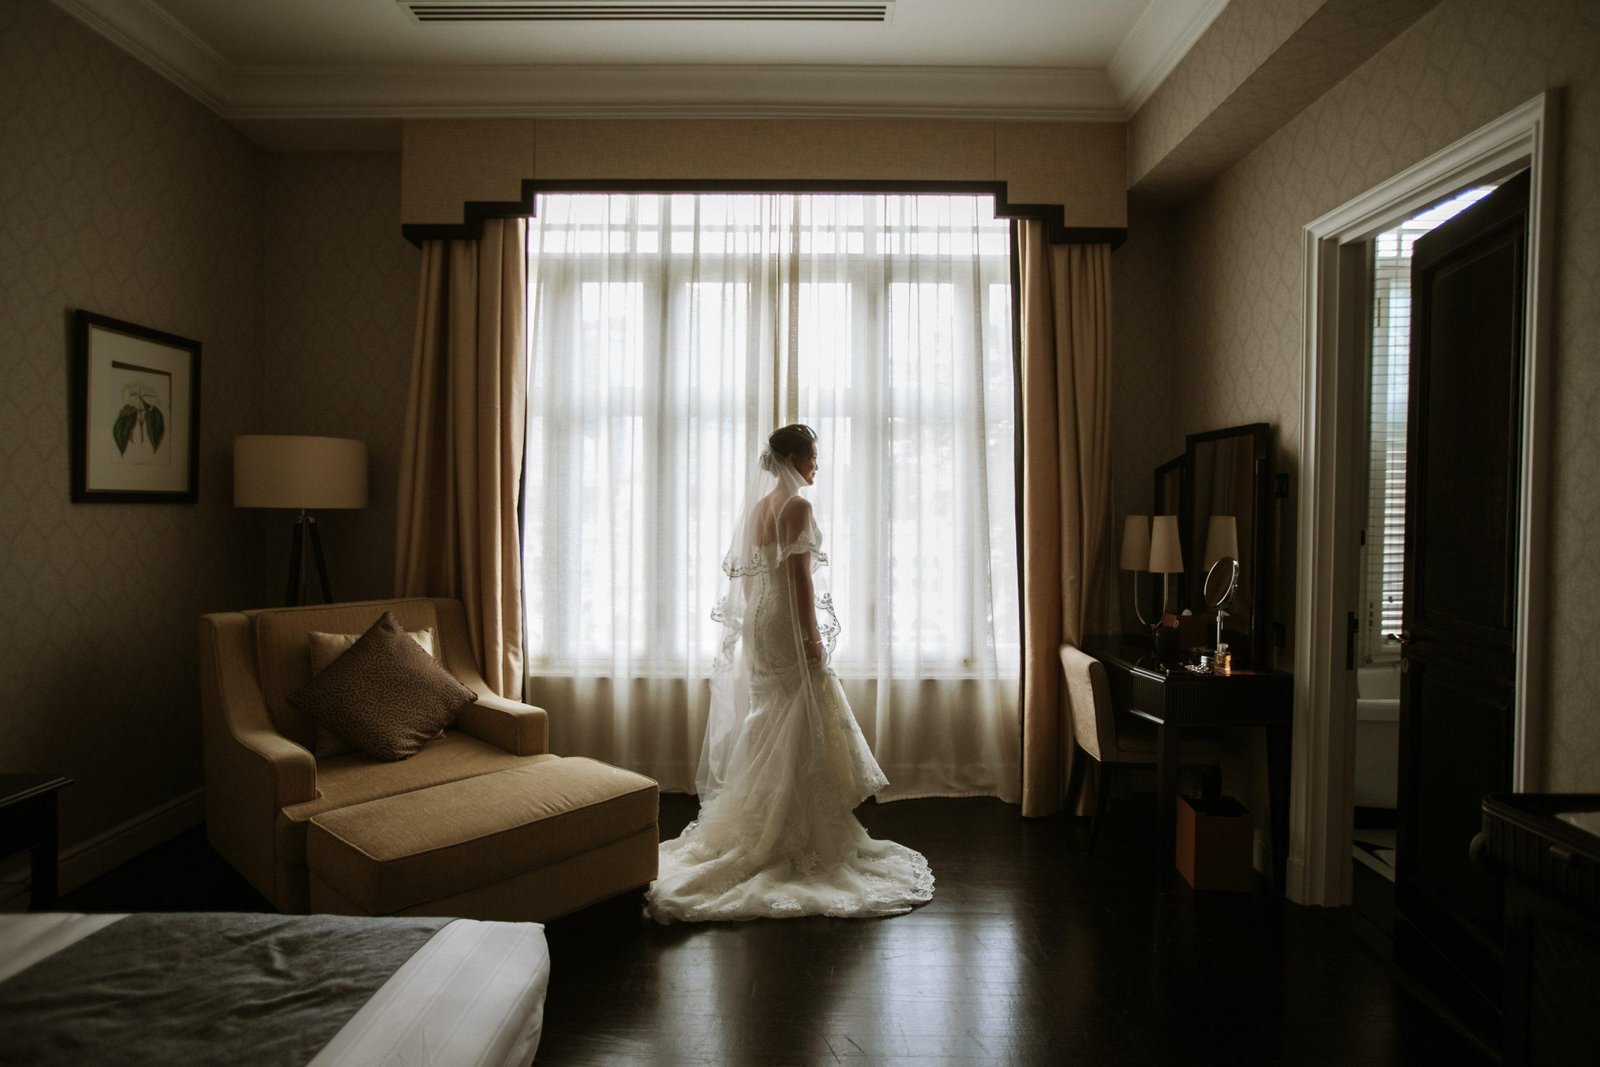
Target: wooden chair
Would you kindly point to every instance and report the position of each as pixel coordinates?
(1121, 741)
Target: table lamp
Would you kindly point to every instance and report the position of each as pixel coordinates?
(1166, 554)
(303, 474)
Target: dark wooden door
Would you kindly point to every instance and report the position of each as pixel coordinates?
(1459, 662)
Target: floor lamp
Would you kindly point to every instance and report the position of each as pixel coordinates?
(303, 474)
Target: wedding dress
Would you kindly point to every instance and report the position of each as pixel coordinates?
(783, 764)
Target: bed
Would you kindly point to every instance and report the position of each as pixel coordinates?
(269, 989)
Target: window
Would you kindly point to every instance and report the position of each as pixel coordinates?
(1390, 385)
(667, 336)
(906, 375)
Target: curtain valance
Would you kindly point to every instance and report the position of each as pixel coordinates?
(458, 172)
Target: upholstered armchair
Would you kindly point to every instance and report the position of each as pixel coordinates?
(265, 788)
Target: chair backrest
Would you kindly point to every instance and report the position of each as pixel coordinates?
(1089, 694)
(283, 656)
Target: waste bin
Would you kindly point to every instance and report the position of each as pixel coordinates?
(1215, 839)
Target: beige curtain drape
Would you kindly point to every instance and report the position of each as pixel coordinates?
(1066, 485)
(461, 463)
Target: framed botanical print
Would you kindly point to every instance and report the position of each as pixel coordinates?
(135, 413)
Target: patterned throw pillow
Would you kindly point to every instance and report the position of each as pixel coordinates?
(385, 697)
(325, 648)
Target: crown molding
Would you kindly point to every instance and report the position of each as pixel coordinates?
(579, 91)
(288, 111)
(268, 103)
(153, 37)
(1155, 45)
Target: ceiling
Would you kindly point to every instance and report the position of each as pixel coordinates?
(343, 73)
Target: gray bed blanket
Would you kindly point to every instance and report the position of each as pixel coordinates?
(202, 988)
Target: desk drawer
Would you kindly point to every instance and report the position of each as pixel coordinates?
(1194, 699)
(1135, 691)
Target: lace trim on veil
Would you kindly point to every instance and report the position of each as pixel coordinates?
(767, 558)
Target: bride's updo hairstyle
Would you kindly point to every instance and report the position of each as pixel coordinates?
(797, 441)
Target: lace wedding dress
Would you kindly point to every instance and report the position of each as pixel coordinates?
(784, 763)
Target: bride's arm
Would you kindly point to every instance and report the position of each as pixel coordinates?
(796, 517)
(806, 604)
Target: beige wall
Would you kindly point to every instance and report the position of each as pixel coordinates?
(1260, 63)
(1144, 432)
(340, 288)
(1081, 166)
(1236, 356)
(1237, 43)
(120, 195)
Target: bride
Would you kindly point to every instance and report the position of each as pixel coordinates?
(783, 764)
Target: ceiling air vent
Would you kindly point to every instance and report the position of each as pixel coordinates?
(649, 10)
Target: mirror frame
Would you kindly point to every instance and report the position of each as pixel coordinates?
(1255, 574)
(1233, 584)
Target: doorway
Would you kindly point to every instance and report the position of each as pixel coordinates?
(1375, 651)
(1331, 510)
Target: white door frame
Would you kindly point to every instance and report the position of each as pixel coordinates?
(1332, 413)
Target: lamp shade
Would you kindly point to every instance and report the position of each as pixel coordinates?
(310, 473)
(1136, 542)
(1222, 539)
(1166, 556)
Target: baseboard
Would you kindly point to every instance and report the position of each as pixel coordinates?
(89, 859)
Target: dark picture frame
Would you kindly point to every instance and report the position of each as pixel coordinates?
(135, 413)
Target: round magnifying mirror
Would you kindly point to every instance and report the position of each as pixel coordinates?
(1221, 580)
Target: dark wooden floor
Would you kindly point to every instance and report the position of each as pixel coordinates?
(1030, 952)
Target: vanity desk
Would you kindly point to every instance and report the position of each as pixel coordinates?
(1174, 698)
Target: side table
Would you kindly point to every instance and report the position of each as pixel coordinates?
(1546, 847)
(28, 821)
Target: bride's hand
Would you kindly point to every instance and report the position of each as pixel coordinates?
(814, 650)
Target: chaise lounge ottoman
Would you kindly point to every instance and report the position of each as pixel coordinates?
(529, 843)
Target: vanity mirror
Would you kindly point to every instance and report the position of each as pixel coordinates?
(1224, 517)
(1218, 493)
(1222, 580)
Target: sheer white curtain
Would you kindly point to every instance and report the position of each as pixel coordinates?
(668, 335)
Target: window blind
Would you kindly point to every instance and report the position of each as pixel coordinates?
(1386, 458)
(1390, 388)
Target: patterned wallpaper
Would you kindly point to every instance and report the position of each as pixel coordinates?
(1333, 41)
(1236, 43)
(340, 305)
(1144, 430)
(121, 195)
(1236, 354)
